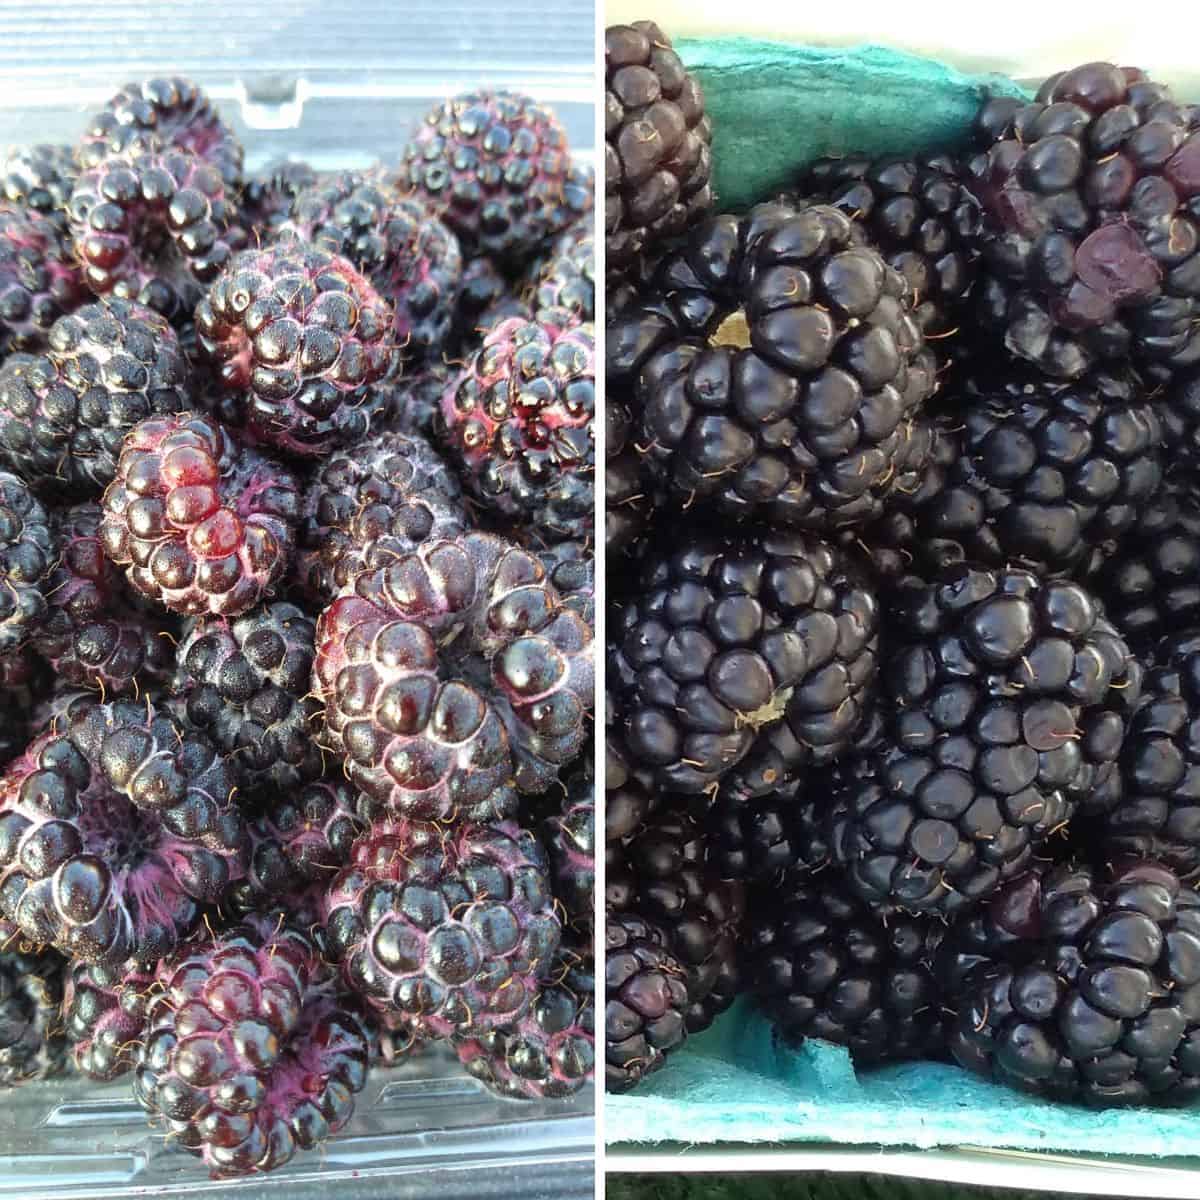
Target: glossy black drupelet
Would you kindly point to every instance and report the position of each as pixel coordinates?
(824, 966)
(1098, 1002)
(645, 1000)
(798, 369)
(727, 638)
(1004, 705)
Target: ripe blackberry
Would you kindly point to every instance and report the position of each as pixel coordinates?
(629, 797)
(570, 841)
(27, 554)
(628, 492)
(549, 1053)
(39, 278)
(65, 412)
(40, 178)
(824, 966)
(1150, 584)
(495, 167)
(158, 114)
(32, 1045)
(199, 523)
(645, 1000)
(297, 336)
(518, 422)
(92, 637)
(104, 1015)
(1156, 815)
(729, 637)
(268, 194)
(1040, 473)
(297, 841)
(114, 825)
(409, 256)
(1089, 239)
(662, 873)
(564, 279)
(152, 226)
(24, 682)
(1099, 1006)
(1004, 704)
(757, 838)
(920, 217)
(449, 926)
(248, 1056)
(370, 504)
(656, 144)
(417, 399)
(791, 387)
(244, 682)
(450, 676)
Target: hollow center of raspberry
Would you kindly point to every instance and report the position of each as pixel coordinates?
(116, 832)
(733, 331)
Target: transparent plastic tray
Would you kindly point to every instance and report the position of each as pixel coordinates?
(339, 85)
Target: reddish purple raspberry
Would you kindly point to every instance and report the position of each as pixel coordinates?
(39, 278)
(104, 1012)
(27, 553)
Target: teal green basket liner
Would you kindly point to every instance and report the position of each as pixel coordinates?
(775, 107)
(738, 1083)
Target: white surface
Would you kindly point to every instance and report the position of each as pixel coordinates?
(1026, 39)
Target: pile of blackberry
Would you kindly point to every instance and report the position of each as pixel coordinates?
(903, 619)
(253, 464)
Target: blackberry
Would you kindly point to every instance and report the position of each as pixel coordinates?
(248, 1056)
(367, 505)
(27, 555)
(1097, 1006)
(39, 278)
(550, 1052)
(629, 797)
(410, 257)
(152, 226)
(453, 675)
(518, 422)
(268, 195)
(448, 926)
(656, 144)
(728, 638)
(645, 1000)
(104, 1015)
(662, 874)
(114, 826)
(244, 682)
(1089, 240)
(417, 399)
(1150, 584)
(790, 390)
(496, 168)
(564, 279)
(822, 965)
(32, 1045)
(40, 178)
(628, 492)
(1039, 473)
(93, 637)
(756, 838)
(158, 114)
(298, 841)
(297, 336)
(65, 412)
(1004, 702)
(199, 523)
(921, 218)
(570, 841)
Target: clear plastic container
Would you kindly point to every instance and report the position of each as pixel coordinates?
(339, 85)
